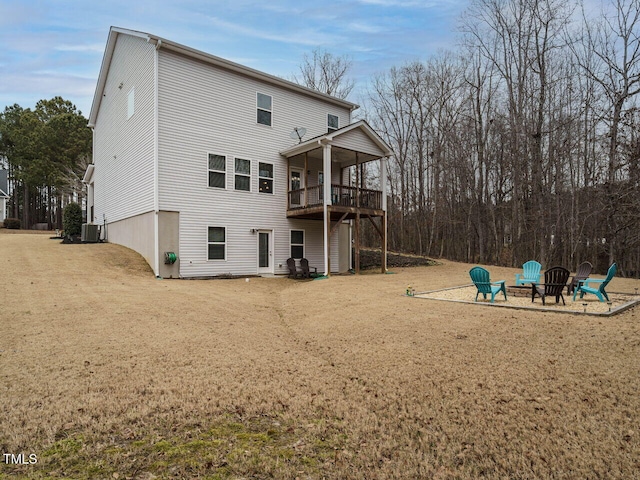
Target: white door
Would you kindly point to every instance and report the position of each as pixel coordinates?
(265, 251)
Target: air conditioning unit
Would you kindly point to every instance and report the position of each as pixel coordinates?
(89, 233)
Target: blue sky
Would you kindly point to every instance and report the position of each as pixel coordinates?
(55, 47)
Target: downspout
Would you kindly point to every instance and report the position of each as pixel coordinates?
(156, 194)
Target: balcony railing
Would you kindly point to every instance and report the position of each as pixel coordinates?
(341, 195)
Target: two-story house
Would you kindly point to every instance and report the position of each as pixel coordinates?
(201, 157)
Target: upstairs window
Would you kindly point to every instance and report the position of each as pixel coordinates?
(264, 109)
(333, 123)
(243, 174)
(297, 243)
(265, 178)
(217, 169)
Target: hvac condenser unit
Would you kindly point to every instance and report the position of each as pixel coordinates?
(89, 233)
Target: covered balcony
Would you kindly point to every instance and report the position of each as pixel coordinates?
(327, 181)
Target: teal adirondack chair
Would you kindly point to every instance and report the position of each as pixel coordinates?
(480, 278)
(531, 273)
(584, 285)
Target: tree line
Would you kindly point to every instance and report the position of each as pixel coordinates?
(46, 152)
(523, 143)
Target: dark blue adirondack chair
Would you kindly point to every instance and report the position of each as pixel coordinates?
(485, 286)
(585, 285)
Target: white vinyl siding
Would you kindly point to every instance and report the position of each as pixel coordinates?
(353, 139)
(204, 110)
(124, 147)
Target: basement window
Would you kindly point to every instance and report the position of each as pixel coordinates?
(297, 244)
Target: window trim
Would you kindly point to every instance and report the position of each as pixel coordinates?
(218, 171)
(331, 129)
(258, 109)
(226, 241)
(303, 244)
(272, 178)
(235, 173)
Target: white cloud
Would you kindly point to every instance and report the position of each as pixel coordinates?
(94, 48)
(300, 37)
(364, 27)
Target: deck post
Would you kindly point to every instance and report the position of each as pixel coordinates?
(357, 186)
(383, 184)
(306, 179)
(326, 165)
(357, 243)
(384, 242)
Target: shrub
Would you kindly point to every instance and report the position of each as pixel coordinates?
(13, 223)
(72, 219)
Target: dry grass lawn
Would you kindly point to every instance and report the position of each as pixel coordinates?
(106, 372)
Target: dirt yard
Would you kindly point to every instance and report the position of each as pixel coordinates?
(106, 372)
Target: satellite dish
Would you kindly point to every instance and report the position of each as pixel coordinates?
(298, 132)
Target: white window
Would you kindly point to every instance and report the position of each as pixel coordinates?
(216, 243)
(217, 169)
(131, 103)
(333, 123)
(264, 109)
(265, 177)
(243, 174)
(297, 243)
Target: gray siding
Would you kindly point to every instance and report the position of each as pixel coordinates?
(204, 109)
(124, 147)
(359, 141)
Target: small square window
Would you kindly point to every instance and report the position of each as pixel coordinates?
(264, 104)
(333, 123)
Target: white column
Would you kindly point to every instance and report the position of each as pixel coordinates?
(326, 165)
(383, 181)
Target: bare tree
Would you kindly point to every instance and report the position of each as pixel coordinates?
(326, 73)
(614, 40)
